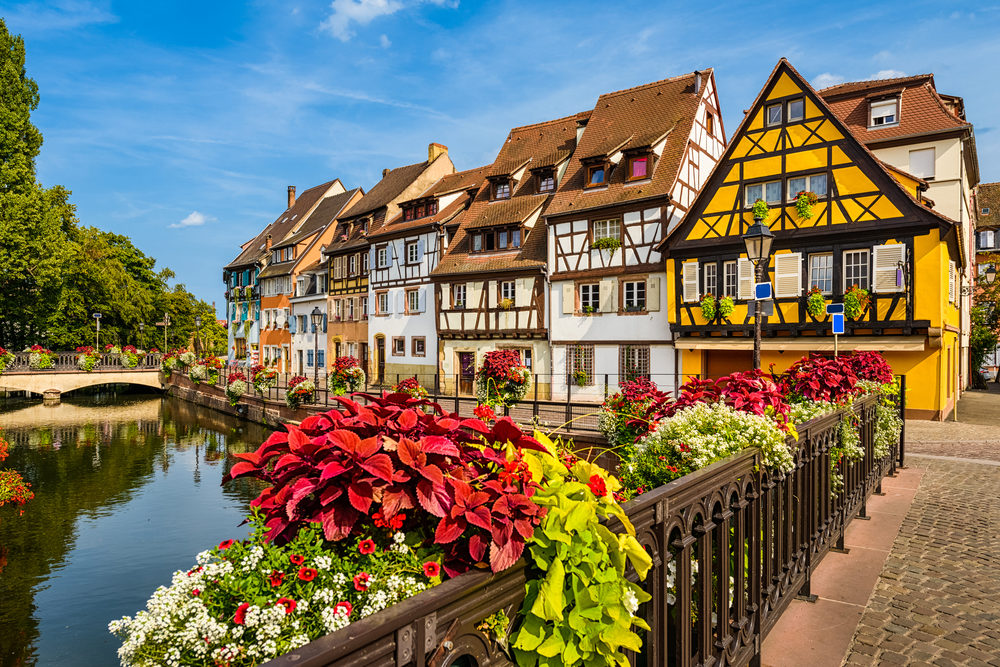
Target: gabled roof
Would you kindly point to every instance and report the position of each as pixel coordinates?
(390, 187)
(281, 226)
(325, 214)
(539, 145)
(634, 118)
(988, 196)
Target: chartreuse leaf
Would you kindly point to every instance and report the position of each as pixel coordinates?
(530, 635)
(580, 515)
(639, 557)
(552, 592)
(552, 646)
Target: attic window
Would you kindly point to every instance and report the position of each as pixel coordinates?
(986, 210)
(596, 175)
(638, 167)
(884, 113)
(501, 238)
(501, 189)
(415, 212)
(796, 109)
(710, 124)
(546, 180)
(774, 114)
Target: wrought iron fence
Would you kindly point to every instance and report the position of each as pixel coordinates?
(67, 362)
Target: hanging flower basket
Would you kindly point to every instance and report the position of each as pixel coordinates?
(804, 203)
(506, 304)
(87, 358)
(816, 303)
(300, 390)
(760, 209)
(725, 307)
(856, 302)
(709, 307)
(345, 376)
(502, 379)
(608, 243)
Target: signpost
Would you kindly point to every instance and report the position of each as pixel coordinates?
(762, 291)
(837, 324)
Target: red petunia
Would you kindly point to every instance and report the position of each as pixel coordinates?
(225, 545)
(296, 559)
(432, 569)
(196, 592)
(289, 604)
(307, 573)
(345, 605)
(241, 613)
(598, 486)
(361, 582)
(276, 578)
(366, 547)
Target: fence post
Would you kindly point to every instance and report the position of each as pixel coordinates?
(902, 415)
(534, 403)
(569, 406)
(605, 386)
(456, 393)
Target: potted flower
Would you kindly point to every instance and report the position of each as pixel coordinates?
(815, 303)
(213, 367)
(87, 358)
(197, 373)
(129, 356)
(410, 386)
(40, 358)
(506, 304)
(608, 243)
(725, 307)
(709, 307)
(236, 386)
(580, 377)
(185, 358)
(588, 310)
(503, 378)
(263, 378)
(856, 302)
(804, 202)
(345, 376)
(760, 209)
(300, 390)
(6, 359)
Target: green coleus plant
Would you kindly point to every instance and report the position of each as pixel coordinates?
(579, 609)
(816, 303)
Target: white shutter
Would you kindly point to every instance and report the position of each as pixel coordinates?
(401, 301)
(491, 296)
(609, 294)
(568, 298)
(951, 281)
(886, 259)
(522, 291)
(653, 293)
(420, 249)
(746, 278)
(388, 302)
(475, 292)
(788, 274)
(445, 296)
(690, 274)
(421, 300)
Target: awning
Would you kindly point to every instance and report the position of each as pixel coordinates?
(806, 343)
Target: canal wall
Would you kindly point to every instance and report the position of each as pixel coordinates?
(251, 407)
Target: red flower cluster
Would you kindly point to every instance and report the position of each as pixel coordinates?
(39, 348)
(598, 486)
(107, 348)
(502, 366)
(210, 361)
(871, 366)
(359, 467)
(296, 381)
(484, 412)
(343, 363)
(234, 376)
(83, 349)
(393, 524)
(130, 349)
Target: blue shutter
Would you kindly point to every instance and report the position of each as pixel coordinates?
(420, 249)
(321, 358)
(309, 358)
(291, 324)
(421, 300)
(390, 252)
(324, 322)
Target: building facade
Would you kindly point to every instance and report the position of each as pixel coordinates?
(309, 342)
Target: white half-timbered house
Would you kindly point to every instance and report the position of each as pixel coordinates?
(491, 286)
(642, 156)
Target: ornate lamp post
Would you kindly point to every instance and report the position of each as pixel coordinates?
(165, 323)
(197, 335)
(97, 338)
(142, 334)
(758, 241)
(317, 320)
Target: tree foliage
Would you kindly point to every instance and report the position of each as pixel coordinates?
(54, 273)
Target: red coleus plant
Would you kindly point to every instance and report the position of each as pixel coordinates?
(871, 366)
(818, 378)
(363, 466)
(500, 366)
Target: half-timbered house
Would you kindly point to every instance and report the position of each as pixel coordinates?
(309, 340)
(641, 157)
(860, 227)
(491, 285)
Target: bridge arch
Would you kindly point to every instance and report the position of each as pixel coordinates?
(60, 382)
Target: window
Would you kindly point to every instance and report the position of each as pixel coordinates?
(821, 272)
(382, 303)
(609, 229)
(985, 210)
(580, 365)
(501, 189)
(364, 307)
(711, 282)
(731, 278)
(796, 109)
(635, 296)
(338, 308)
(856, 268)
(546, 181)
(710, 124)
(399, 346)
(350, 310)
(884, 112)
(507, 291)
(412, 301)
(986, 239)
(590, 298)
(633, 362)
(458, 296)
(352, 265)
(309, 358)
(382, 257)
(419, 346)
(815, 183)
(595, 175)
(504, 238)
(769, 192)
(364, 262)
(922, 163)
(638, 167)
(412, 249)
(774, 114)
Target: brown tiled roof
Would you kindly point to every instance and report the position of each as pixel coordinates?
(538, 145)
(505, 212)
(326, 213)
(632, 118)
(469, 180)
(921, 109)
(282, 226)
(988, 196)
(390, 187)
(458, 259)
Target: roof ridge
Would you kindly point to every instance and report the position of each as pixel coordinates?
(941, 105)
(548, 122)
(876, 81)
(654, 83)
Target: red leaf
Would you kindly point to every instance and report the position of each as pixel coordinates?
(242, 468)
(433, 498)
(252, 457)
(477, 548)
(408, 452)
(480, 517)
(504, 555)
(347, 441)
(449, 530)
(435, 444)
(408, 419)
(296, 439)
(332, 469)
(337, 522)
(287, 460)
(395, 501)
(360, 495)
(380, 466)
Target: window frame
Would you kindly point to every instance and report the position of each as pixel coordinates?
(639, 351)
(379, 296)
(636, 289)
(636, 158)
(498, 186)
(594, 293)
(589, 172)
(866, 253)
(809, 264)
(382, 256)
(872, 125)
(455, 305)
(412, 294)
(748, 204)
(507, 289)
(618, 229)
(412, 247)
(710, 123)
(413, 346)
(399, 346)
(788, 110)
(790, 192)
(586, 350)
(767, 114)
(735, 275)
(713, 268)
(541, 178)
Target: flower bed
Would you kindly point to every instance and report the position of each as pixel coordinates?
(87, 358)
(300, 390)
(345, 376)
(40, 358)
(502, 380)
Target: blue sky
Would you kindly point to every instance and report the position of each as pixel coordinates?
(182, 123)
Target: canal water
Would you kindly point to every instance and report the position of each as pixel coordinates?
(127, 491)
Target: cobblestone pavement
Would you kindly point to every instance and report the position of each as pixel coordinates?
(937, 600)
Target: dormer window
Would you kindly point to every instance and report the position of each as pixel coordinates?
(596, 175)
(363, 225)
(501, 238)
(422, 210)
(501, 189)
(986, 210)
(884, 113)
(546, 180)
(638, 167)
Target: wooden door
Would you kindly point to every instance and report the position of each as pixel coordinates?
(364, 357)
(380, 359)
(466, 373)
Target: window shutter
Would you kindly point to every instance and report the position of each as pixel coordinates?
(491, 295)
(609, 303)
(951, 281)
(474, 291)
(522, 291)
(653, 293)
(885, 259)
(388, 302)
(420, 249)
(371, 258)
(690, 281)
(788, 274)
(401, 301)
(390, 253)
(291, 326)
(568, 298)
(421, 300)
(445, 296)
(324, 322)
(745, 278)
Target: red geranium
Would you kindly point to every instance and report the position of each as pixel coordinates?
(598, 486)
(366, 547)
(276, 578)
(432, 569)
(226, 544)
(241, 613)
(307, 573)
(288, 603)
(484, 412)
(361, 582)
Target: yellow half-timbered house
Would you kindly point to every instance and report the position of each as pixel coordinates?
(868, 228)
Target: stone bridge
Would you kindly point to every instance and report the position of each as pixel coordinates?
(65, 375)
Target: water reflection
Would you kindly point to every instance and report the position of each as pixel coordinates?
(127, 490)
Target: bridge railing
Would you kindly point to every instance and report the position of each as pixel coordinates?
(65, 362)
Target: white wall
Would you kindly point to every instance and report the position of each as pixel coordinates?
(606, 358)
(306, 341)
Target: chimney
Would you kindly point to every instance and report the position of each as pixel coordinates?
(267, 244)
(291, 196)
(433, 150)
(385, 172)
(697, 82)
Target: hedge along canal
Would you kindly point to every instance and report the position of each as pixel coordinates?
(127, 489)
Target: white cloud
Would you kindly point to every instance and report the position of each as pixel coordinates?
(825, 80)
(65, 15)
(886, 74)
(346, 13)
(384, 41)
(195, 219)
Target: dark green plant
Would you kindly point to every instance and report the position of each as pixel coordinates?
(608, 243)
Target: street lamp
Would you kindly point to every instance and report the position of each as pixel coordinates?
(758, 241)
(991, 275)
(142, 334)
(165, 323)
(317, 319)
(97, 339)
(197, 335)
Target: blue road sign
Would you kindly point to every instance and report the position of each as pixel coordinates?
(834, 308)
(838, 323)
(762, 291)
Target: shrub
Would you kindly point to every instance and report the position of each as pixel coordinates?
(345, 376)
(502, 379)
(870, 366)
(300, 390)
